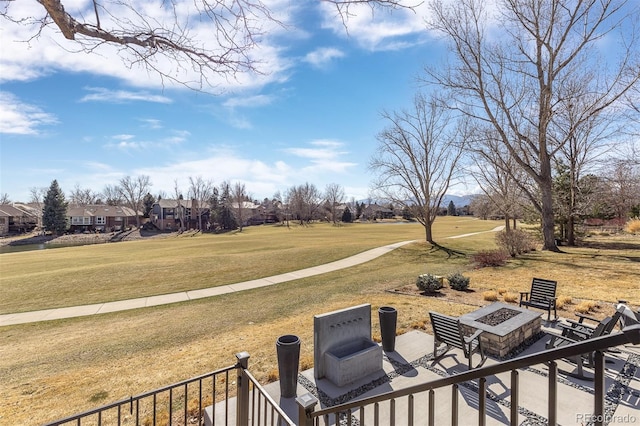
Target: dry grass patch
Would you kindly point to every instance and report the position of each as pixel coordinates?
(53, 369)
(563, 301)
(490, 296)
(586, 306)
(510, 297)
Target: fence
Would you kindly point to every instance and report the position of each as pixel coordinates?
(184, 403)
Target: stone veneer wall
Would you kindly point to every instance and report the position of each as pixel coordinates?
(500, 346)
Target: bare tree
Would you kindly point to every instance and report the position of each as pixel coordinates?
(112, 196)
(582, 141)
(202, 41)
(500, 177)
(133, 190)
(417, 158)
(334, 196)
(200, 192)
(303, 202)
(179, 209)
(511, 78)
(239, 196)
(4, 198)
(82, 196)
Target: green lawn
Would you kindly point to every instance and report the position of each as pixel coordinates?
(56, 368)
(107, 272)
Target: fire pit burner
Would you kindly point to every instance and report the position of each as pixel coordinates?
(506, 328)
(498, 317)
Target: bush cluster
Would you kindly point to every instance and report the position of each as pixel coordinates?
(633, 226)
(428, 283)
(458, 281)
(515, 241)
(490, 258)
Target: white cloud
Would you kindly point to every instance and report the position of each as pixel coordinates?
(27, 57)
(379, 29)
(320, 58)
(17, 117)
(151, 123)
(129, 143)
(248, 101)
(101, 94)
(324, 155)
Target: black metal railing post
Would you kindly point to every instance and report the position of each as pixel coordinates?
(306, 405)
(242, 399)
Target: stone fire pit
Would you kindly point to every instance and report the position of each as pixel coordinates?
(505, 327)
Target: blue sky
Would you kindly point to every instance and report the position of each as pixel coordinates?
(313, 117)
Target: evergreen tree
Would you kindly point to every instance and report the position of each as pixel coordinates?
(451, 209)
(406, 213)
(359, 208)
(227, 218)
(346, 216)
(148, 201)
(54, 212)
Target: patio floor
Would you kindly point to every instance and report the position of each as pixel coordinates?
(412, 364)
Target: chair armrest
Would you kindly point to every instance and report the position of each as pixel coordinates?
(584, 317)
(473, 337)
(556, 337)
(579, 324)
(579, 332)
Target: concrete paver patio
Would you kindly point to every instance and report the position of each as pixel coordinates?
(412, 364)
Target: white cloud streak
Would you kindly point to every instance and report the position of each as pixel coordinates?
(321, 58)
(17, 117)
(101, 94)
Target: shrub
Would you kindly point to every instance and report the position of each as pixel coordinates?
(490, 258)
(633, 226)
(428, 283)
(515, 241)
(490, 296)
(502, 291)
(562, 301)
(510, 297)
(586, 306)
(458, 281)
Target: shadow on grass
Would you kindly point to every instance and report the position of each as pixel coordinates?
(435, 247)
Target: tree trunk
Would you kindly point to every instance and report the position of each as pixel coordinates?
(514, 222)
(429, 233)
(571, 238)
(507, 225)
(548, 221)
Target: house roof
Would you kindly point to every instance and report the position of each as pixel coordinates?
(172, 203)
(100, 210)
(7, 210)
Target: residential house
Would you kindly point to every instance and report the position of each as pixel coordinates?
(100, 218)
(168, 215)
(375, 212)
(14, 219)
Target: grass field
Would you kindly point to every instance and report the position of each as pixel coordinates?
(52, 369)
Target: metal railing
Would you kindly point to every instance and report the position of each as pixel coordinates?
(202, 400)
(369, 410)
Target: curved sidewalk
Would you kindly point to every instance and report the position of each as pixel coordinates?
(183, 296)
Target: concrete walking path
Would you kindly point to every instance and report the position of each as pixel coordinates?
(183, 296)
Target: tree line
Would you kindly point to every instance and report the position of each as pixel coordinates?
(222, 207)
